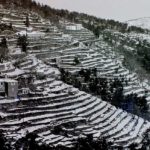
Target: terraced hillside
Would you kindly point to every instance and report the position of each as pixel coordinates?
(58, 104)
(47, 102)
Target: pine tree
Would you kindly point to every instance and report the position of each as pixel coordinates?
(4, 143)
(4, 43)
(23, 42)
(76, 61)
(27, 22)
(3, 49)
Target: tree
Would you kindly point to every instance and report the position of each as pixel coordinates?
(141, 102)
(146, 141)
(96, 32)
(10, 26)
(28, 142)
(23, 42)
(3, 50)
(4, 143)
(76, 61)
(94, 71)
(88, 143)
(27, 22)
(133, 146)
(4, 43)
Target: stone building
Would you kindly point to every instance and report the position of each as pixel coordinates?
(8, 88)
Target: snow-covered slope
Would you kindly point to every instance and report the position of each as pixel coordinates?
(51, 103)
(140, 22)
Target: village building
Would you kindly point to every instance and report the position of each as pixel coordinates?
(8, 88)
(74, 27)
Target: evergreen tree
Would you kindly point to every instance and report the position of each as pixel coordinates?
(4, 143)
(3, 49)
(10, 26)
(76, 61)
(96, 32)
(27, 22)
(23, 42)
(4, 43)
(88, 143)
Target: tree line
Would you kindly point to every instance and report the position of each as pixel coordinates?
(91, 22)
(141, 46)
(110, 90)
(81, 143)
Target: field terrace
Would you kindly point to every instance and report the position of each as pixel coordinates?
(63, 105)
(60, 104)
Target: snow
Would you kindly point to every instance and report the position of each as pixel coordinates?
(2, 115)
(141, 22)
(31, 34)
(15, 73)
(8, 80)
(101, 117)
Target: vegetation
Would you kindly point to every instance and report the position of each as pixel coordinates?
(27, 22)
(87, 80)
(144, 54)
(4, 143)
(91, 22)
(141, 47)
(82, 143)
(3, 50)
(76, 60)
(4, 43)
(29, 143)
(23, 42)
(5, 27)
(110, 90)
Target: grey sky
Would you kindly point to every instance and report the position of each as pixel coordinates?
(121, 10)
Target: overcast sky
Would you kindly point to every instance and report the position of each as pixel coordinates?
(121, 10)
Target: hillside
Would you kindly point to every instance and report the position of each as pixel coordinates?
(54, 99)
(141, 22)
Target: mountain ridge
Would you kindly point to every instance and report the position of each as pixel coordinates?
(143, 22)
